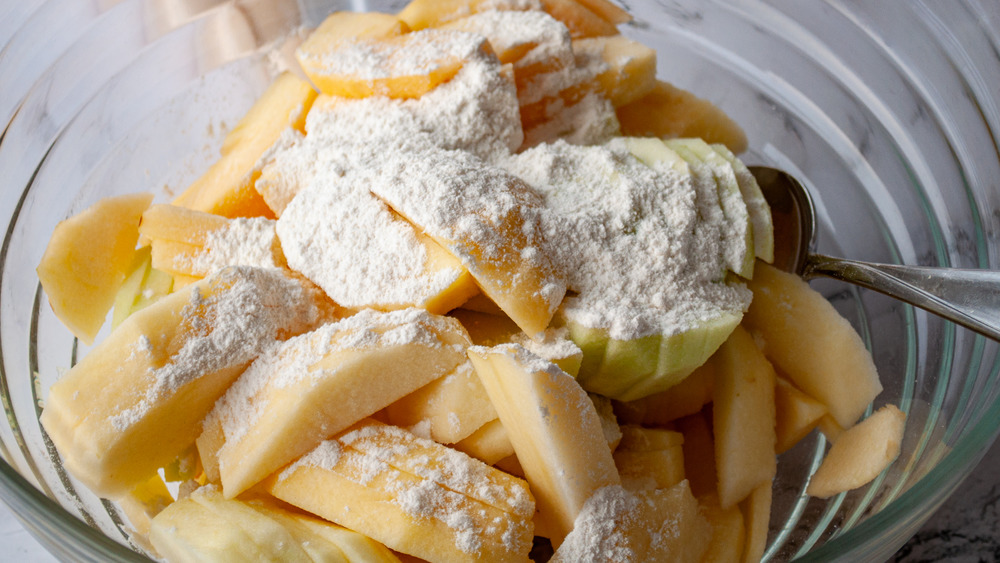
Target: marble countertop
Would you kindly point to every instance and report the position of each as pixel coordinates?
(965, 530)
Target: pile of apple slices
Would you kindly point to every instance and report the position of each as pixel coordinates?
(364, 337)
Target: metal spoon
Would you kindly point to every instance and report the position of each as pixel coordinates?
(970, 298)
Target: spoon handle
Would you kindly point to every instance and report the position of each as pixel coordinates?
(970, 298)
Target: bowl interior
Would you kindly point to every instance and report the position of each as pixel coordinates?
(887, 115)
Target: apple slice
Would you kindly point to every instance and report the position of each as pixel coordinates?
(756, 510)
(402, 66)
(227, 188)
(187, 531)
(554, 428)
(628, 71)
(310, 387)
(743, 418)
(580, 20)
(649, 458)
(142, 505)
(737, 231)
(143, 286)
(668, 112)
(757, 207)
(87, 260)
(421, 14)
(796, 414)
(860, 453)
(489, 443)
(699, 453)
(812, 344)
(452, 407)
(728, 533)
(325, 541)
(364, 255)
(413, 495)
(683, 399)
(488, 218)
(136, 401)
(657, 525)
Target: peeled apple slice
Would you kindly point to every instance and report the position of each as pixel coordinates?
(669, 112)
(757, 207)
(136, 401)
(737, 231)
(860, 453)
(555, 430)
(310, 387)
(87, 260)
(413, 495)
(811, 343)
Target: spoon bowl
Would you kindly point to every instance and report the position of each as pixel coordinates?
(970, 298)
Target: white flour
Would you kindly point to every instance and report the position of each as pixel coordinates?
(354, 247)
(242, 242)
(625, 237)
(242, 311)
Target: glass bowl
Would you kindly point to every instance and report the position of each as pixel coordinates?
(887, 111)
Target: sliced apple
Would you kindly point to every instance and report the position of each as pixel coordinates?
(743, 418)
(413, 495)
(796, 414)
(668, 112)
(737, 232)
(325, 541)
(812, 343)
(489, 444)
(649, 458)
(554, 428)
(420, 14)
(759, 210)
(136, 401)
(334, 220)
(187, 531)
(452, 407)
(756, 510)
(227, 188)
(657, 525)
(860, 453)
(87, 260)
(402, 66)
(445, 193)
(728, 532)
(699, 453)
(580, 20)
(319, 383)
(683, 399)
(143, 286)
(628, 71)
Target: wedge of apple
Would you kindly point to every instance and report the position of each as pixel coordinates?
(728, 532)
(796, 414)
(554, 428)
(444, 193)
(656, 525)
(413, 495)
(812, 343)
(87, 260)
(743, 419)
(757, 207)
(310, 387)
(334, 221)
(649, 458)
(452, 407)
(710, 167)
(860, 453)
(227, 188)
(756, 510)
(143, 286)
(421, 14)
(668, 112)
(136, 401)
(628, 71)
(683, 399)
(398, 66)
